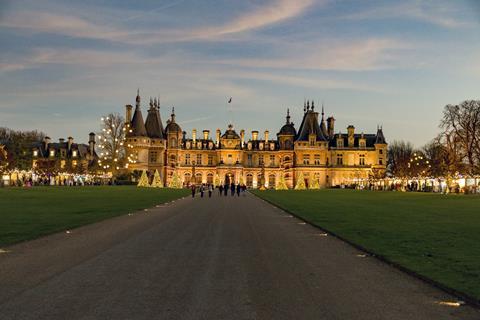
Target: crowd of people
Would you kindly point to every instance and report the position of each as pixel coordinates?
(202, 189)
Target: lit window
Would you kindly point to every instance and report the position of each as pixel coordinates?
(362, 160)
(340, 143)
(260, 160)
(272, 160)
(317, 159)
(187, 158)
(52, 153)
(199, 159)
(306, 159)
(362, 143)
(339, 159)
(35, 153)
(153, 156)
(249, 159)
(210, 160)
(74, 153)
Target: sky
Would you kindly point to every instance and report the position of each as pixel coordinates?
(65, 64)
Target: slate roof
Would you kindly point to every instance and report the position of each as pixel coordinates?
(310, 125)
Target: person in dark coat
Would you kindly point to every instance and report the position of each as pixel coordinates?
(232, 189)
(202, 190)
(192, 187)
(220, 190)
(225, 190)
(239, 187)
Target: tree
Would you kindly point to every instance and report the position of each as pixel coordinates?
(175, 182)
(143, 182)
(281, 185)
(399, 155)
(157, 180)
(315, 184)
(300, 182)
(461, 135)
(112, 137)
(18, 145)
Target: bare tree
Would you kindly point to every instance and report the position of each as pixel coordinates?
(461, 135)
(399, 155)
(112, 136)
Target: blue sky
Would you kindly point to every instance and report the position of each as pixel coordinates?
(64, 64)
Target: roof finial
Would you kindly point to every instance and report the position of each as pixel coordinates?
(308, 105)
(138, 98)
(304, 105)
(323, 111)
(313, 105)
(158, 102)
(288, 115)
(173, 114)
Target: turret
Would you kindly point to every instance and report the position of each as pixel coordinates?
(330, 126)
(351, 135)
(254, 135)
(205, 134)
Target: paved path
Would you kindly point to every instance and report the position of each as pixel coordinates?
(219, 258)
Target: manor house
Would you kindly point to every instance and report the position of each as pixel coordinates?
(312, 151)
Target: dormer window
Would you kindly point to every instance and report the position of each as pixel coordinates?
(52, 153)
(362, 143)
(340, 143)
(35, 153)
(312, 139)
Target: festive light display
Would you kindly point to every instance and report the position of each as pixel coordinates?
(111, 142)
(143, 182)
(281, 184)
(175, 182)
(157, 180)
(300, 182)
(315, 185)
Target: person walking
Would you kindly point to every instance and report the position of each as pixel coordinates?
(202, 190)
(210, 190)
(225, 189)
(220, 190)
(232, 189)
(192, 187)
(239, 187)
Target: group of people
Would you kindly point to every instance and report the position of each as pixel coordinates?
(222, 189)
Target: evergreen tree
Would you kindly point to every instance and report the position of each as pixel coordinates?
(300, 182)
(175, 182)
(315, 184)
(157, 180)
(281, 185)
(143, 182)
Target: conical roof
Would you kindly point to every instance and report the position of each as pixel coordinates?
(310, 125)
(137, 126)
(153, 124)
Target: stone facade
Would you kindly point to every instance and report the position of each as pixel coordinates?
(315, 151)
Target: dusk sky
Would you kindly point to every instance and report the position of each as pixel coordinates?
(64, 64)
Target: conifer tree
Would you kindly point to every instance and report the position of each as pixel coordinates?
(157, 180)
(281, 185)
(143, 182)
(175, 182)
(315, 184)
(300, 182)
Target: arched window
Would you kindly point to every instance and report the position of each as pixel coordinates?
(210, 178)
(187, 176)
(173, 142)
(198, 178)
(249, 180)
(173, 159)
(288, 144)
(271, 181)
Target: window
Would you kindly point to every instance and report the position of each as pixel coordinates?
(210, 160)
(380, 161)
(199, 159)
(173, 142)
(249, 180)
(288, 144)
(210, 178)
(172, 159)
(362, 160)
(339, 143)
(198, 178)
(153, 156)
(229, 157)
(272, 160)
(35, 153)
(74, 153)
(187, 176)
(306, 159)
(362, 143)
(271, 181)
(317, 159)
(380, 151)
(249, 160)
(260, 160)
(187, 158)
(339, 159)
(52, 153)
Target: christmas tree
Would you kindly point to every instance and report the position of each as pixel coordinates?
(315, 184)
(157, 180)
(300, 182)
(175, 182)
(143, 182)
(281, 185)
(217, 181)
(241, 181)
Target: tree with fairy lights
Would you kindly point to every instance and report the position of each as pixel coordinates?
(111, 143)
(157, 180)
(143, 182)
(281, 185)
(300, 182)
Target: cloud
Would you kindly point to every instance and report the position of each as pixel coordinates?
(432, 12)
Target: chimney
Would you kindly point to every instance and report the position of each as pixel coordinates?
(330, 126)
(205, 134)
(194, 135)
(70, 142)
(254, 135)
(242, 137)
(217, 138)
(351, 135)
(46, 141)
(266, 136)
(128, 113)
(91, 142)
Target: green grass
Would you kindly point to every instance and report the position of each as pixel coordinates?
(28, 213)
(434, 235)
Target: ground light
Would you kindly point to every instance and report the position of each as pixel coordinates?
(455, 304)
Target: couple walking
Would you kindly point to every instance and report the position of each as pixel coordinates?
(223, 189)
(202, 189)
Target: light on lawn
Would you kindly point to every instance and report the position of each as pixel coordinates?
(323, 234)
(361, 255)
(4, 251)
(68, 232)
(451, 303)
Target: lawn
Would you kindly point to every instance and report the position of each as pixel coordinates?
(436, 236)
(28, 213)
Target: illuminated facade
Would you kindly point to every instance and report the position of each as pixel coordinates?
(315, 152)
